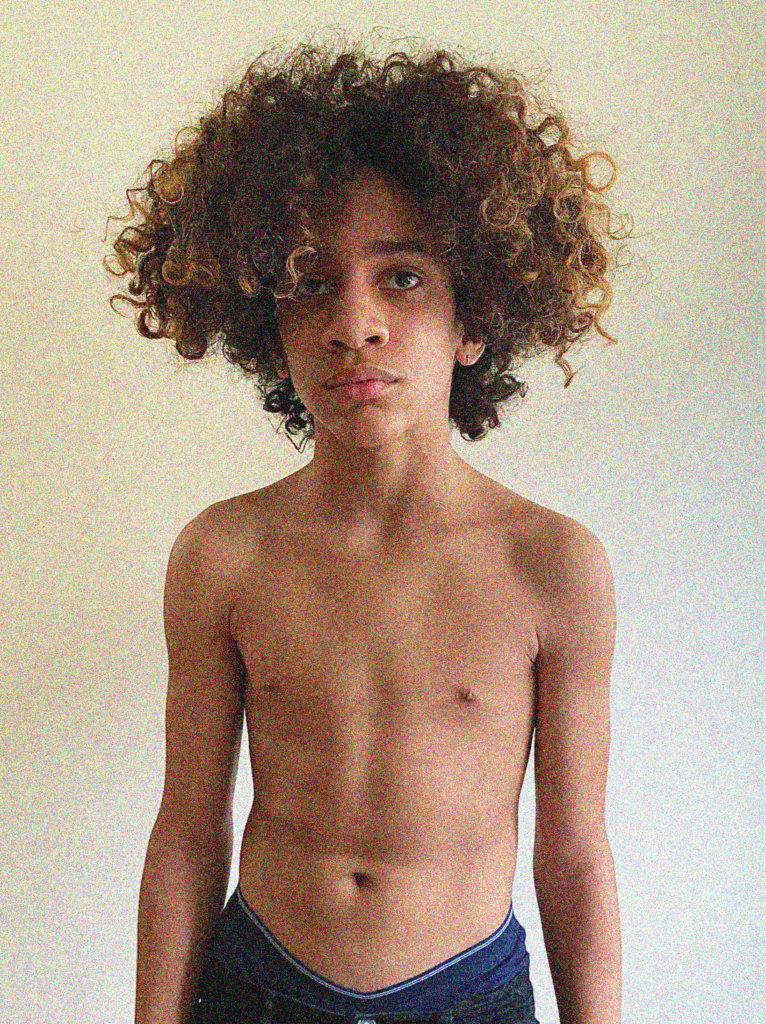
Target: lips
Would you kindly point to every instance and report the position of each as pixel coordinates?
(360, 374)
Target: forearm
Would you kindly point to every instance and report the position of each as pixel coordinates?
(581, 927)
(183, 889)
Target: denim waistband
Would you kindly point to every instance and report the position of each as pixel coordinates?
(245, 947)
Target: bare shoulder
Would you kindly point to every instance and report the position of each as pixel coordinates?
(573, 563)
(212, 549)
(565, 562)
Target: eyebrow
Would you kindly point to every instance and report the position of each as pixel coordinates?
(390, 246)
(386, 247)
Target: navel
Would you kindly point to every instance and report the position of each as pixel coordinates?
(466, 695)
(362, 880)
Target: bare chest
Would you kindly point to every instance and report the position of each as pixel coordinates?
(389, 701)
(390, 707)
(342, 652)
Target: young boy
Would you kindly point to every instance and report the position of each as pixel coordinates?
(378, 244)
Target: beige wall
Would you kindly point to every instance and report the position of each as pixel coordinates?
(111, 447)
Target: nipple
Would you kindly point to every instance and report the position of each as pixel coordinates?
(362, 880)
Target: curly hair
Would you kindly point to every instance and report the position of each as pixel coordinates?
(233, 215)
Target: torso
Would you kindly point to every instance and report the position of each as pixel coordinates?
(390, 701)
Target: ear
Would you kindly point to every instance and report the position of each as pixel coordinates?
(468, 351)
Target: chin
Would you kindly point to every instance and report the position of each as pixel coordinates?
(367, 431)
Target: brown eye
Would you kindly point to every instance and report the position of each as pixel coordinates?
(405, 273)
(306, 285)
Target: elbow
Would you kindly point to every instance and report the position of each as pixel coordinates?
(572, 860)
(196, 838)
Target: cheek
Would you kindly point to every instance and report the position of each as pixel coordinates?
(290, 336)
(296, 332)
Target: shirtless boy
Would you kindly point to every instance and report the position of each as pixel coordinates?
(378, 244)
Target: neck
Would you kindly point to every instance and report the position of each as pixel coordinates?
(368, 495)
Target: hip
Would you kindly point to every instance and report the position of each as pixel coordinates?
(250, 976)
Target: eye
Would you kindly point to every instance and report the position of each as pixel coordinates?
(405, 273)
(314, 286)
(306, 285)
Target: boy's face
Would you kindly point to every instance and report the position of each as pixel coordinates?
(364, 305)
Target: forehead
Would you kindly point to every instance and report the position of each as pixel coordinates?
(375, 217)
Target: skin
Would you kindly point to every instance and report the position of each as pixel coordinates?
(405, 630)
(381, 464)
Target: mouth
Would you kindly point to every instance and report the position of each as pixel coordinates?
(356, 389)
(361, 375)
(362, 380)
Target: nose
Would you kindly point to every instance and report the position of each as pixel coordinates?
(353, 321)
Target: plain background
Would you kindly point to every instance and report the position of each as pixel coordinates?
(111, 446)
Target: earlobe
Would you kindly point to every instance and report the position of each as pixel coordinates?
(470, 352)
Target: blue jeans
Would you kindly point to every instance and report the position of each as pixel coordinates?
(249, 977)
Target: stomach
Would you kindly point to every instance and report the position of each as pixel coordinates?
(383, 831)
(368, 915)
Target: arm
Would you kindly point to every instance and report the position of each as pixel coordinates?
(186, 872)
(573, 866)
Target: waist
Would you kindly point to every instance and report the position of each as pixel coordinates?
(368, 923)
(245, 948)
